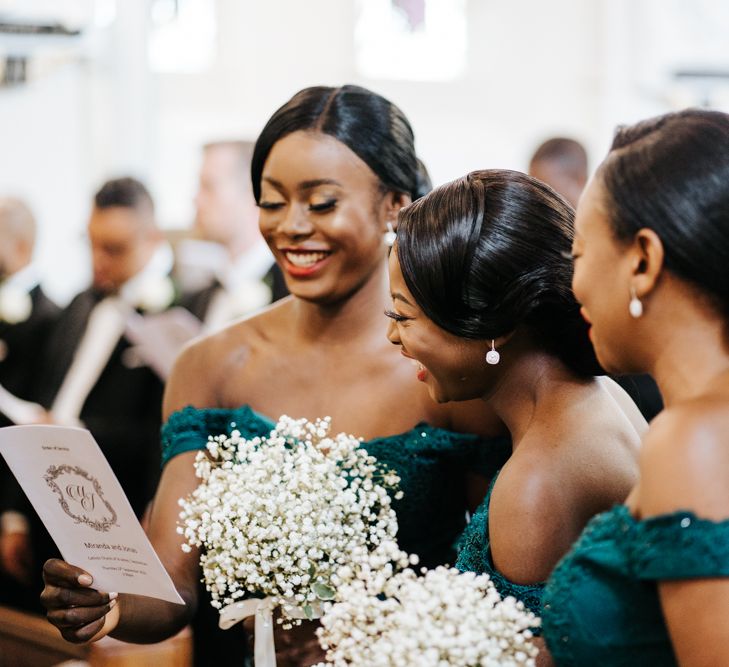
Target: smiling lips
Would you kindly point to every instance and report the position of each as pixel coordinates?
(301, 262)
(422, 371)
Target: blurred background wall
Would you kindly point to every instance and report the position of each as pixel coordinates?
(136, 86)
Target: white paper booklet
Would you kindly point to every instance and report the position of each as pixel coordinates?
(77, 496)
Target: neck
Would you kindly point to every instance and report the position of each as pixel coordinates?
(358, 315)
(689, 360)
(526, 383)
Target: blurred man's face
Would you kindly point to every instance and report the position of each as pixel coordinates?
(122, 242)
(224, 199)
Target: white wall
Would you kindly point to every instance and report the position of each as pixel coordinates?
(535, 69)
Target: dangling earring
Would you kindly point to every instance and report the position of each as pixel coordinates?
(390, 235)
(635, 307)
(492, 356)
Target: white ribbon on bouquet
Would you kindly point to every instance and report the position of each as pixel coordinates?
(264, 648)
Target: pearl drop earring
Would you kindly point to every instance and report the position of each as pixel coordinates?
(390, 235)
(492, 356)
(635, 307)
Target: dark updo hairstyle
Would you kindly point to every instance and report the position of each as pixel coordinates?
(488, 253)
(368, 124)
(671, 174)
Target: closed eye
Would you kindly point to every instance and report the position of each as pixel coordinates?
(324, 206)
(396, 316)
(270, 205)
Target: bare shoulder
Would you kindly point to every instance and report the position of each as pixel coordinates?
(579, 460)
(531, 522)
(202, 366)
(684, 462)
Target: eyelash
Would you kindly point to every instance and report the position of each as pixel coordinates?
(324, 206)
(396, 316)
(314, 208)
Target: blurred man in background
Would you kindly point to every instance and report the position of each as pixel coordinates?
(244, 274)
(26, 318)
(92, 377)
(562, 164)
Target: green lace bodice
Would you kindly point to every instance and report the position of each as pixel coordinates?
(601, 606)
(475, 556)
(432, 464)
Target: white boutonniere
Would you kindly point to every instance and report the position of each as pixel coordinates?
(156, 294)
(248, 296)
(15, 304)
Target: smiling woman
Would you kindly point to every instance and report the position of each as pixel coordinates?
(482, 265)
(330, 170)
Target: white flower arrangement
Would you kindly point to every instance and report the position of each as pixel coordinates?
(277, 517)
(15, 304)
(443, 618)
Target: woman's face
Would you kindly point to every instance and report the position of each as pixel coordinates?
(323, 215)
(601, 280)
(453, 368)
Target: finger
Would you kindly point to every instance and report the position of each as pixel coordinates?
(76, 618)
(82, 634)
(60, 573)
(59, 597)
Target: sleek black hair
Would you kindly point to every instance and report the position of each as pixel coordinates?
(368, 124)
(671, 174)
(488, 253)
(126, 192)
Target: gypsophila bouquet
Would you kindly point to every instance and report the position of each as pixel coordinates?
(443, 618)
(277, 517)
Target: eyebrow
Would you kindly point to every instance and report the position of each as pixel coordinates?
(396, 296)
(304, 185)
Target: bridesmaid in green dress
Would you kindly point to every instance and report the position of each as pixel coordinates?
(330, 172)
(480, 281)
(647, 583)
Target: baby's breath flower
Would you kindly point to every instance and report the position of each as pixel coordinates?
(441, 619)
(278, 516)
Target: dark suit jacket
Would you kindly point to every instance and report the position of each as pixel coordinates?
(21, 345)
(21, 372)
(123, 408)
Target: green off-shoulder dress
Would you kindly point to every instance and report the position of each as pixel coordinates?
(430, 461)
(475, 556)
(432, 464)
(601, 605)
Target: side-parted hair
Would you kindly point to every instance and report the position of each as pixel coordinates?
(489, 253)
(371, 126)
(671, 174)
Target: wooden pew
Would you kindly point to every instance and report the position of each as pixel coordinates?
(27, 640)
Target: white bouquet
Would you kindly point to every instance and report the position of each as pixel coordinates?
(277, 517)
(443, 618)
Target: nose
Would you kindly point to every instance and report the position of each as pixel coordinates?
(393, 335)
(295, 223)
